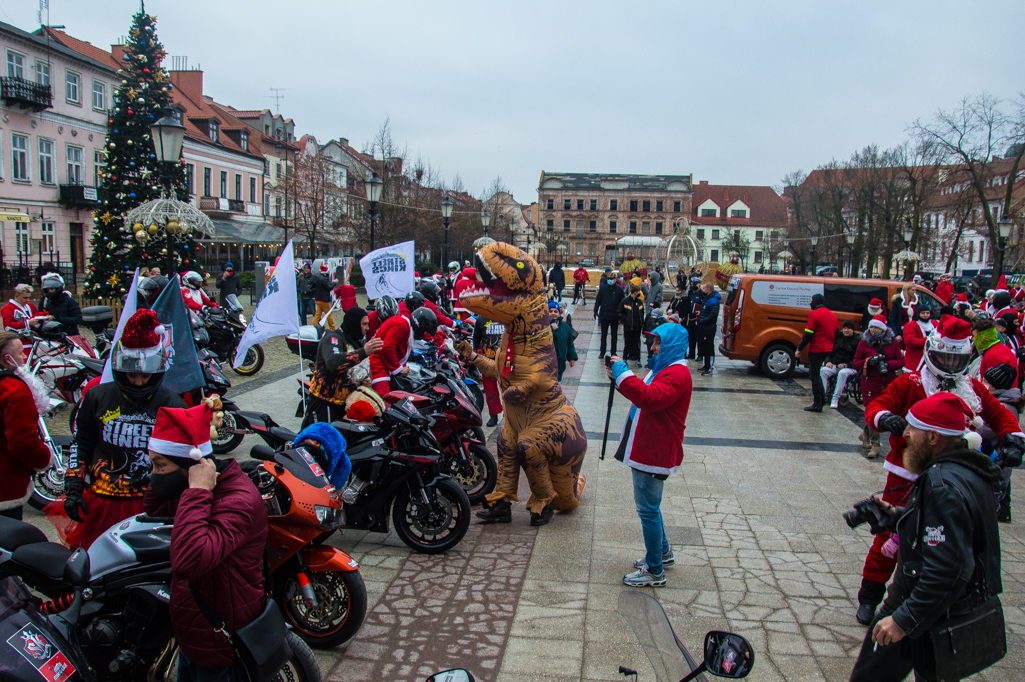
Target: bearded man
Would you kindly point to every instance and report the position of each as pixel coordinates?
(22, 451)
(947, 354)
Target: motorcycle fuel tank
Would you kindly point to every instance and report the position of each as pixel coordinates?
(30, 646)
(134, 540)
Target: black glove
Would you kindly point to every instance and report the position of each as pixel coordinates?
(1010, 451)
(894, 423)
(872, 361)
(74, 503)
(1001, 377)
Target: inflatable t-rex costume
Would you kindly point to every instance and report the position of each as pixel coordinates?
(542, 431)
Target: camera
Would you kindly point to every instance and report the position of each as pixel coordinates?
(608, 361)
(882, 365)
(867, 511)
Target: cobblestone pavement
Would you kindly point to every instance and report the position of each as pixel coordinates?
(753, 516)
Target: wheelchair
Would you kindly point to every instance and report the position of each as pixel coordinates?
(851, 393)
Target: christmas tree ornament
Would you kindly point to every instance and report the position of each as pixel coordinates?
(141, 236)
(152, 229)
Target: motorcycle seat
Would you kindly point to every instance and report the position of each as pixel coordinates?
(281, 433)
(47, 558)
(15, 534)
(262, 452)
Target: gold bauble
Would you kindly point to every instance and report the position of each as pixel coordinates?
(141, 236)
(172, 226)
(136, 227)
(152, 229)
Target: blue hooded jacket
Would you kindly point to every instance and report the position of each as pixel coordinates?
(710, 311)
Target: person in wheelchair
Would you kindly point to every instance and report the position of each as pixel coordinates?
(839, 362)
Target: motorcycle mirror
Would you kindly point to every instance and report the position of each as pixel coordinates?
(728, 655)
(454, 675)
(418, 420)
(76, 570)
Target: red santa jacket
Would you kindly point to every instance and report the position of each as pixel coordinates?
(945, 291)
(442, 317)
(914, 343)
(998, 354)
(580, 276)
(654, 443)
(196, 298)
(16, 317)
(21, 451)
(397, 334)
(905, 391)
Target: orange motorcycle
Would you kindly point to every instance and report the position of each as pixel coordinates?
(318, 587)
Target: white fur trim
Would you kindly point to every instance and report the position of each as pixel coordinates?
(919, 424)
(879, 416)
(182, 450)
(899, 470)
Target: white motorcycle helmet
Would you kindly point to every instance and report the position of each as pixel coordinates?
(192, 279)
(948, 351)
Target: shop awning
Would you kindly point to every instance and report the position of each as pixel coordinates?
(634, 240)
(9, 216)
(244, 232)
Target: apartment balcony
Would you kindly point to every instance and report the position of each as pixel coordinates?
(78, 196)
(229, 206)
(24, 93)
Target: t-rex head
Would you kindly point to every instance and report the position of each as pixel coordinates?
(510, 288)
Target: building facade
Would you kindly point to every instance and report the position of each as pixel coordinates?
(54, 96)
(749, 221)
(584, 214)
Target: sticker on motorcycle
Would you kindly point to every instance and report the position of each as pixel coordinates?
(44, 656)
(312, 463)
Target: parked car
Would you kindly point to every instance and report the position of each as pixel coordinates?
(764, 316)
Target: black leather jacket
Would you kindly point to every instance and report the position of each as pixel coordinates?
(65, 310)
(948, 527)
(844, 348)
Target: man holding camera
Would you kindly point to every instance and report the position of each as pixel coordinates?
(949, 556)
(947, 355)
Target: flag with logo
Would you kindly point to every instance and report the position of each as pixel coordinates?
(390, 271)
(185, 372)
(126, 312)
(277, 312)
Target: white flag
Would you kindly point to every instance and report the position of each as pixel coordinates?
(126, 312)
(277, 311)
(390, 271)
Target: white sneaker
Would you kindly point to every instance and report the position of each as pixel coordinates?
(835, 404)
(642, 578)
(668, 559)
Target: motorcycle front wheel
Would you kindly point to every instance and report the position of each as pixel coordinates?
(478, 396)
(226, 440)
(339, 613)
(478, 476)
(47, 486)
(252, 363)
(438, 528)
(302, 667)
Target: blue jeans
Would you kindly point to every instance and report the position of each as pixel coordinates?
(190, 672)
(648, 498)
(307, 306)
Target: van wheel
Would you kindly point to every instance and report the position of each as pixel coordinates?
(777, 361)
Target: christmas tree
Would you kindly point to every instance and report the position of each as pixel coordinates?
(131, 175)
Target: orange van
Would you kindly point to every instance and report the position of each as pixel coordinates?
(764, 316)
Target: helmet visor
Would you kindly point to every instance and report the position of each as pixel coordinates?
(140, 360)
(948, 362)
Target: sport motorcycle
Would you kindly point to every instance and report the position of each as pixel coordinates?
(220, 329)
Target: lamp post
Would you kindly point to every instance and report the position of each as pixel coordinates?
(374, 185)
(849, 236)
(168, 135)
(485, 220)
(814, 243)
(280, 149)
(446, 213)
(1004, 229)
(909, 232)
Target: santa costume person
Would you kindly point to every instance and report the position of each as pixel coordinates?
(947, 354)
(109, 460)
(915, 333)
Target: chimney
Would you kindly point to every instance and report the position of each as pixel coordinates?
(118, 51)
(726, 196)
(344, 141)
(190, 83)
(703, 182)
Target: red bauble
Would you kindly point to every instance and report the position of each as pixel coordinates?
(130, 112)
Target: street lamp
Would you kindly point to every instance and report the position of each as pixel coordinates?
(814, 243)
(374, 185)
(446, 213)
(168, 135)
(909, 233)
(1004, 230)
(849, 236)
(485, 220)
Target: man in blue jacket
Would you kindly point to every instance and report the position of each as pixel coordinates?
(707, 319)
(606, 309)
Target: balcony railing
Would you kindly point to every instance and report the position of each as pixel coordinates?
(78, 196)
(224, 205)
(21, 92)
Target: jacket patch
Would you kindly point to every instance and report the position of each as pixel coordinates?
(110, 414)
(934, 536)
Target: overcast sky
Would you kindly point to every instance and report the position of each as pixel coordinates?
(732, 92)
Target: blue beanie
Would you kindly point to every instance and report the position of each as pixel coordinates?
(229, 266)
(333, 444)
(554, 305)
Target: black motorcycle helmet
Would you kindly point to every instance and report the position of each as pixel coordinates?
(424, 322)
(386, 307)
(817, 301)
(1001, 300)
(415, 300)
(431, 291)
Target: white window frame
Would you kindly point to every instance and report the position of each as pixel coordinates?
(102, 93)
(266, 203)
(190, 178)
(78, 176)
(68, 76)
(26, 155)
(214, 130)
(99, 163)
(252, 189)
(18, 63)
(47, 161)
(22, 238)
(244, 140)
(43, 72)
(48, 237)
(239, 194)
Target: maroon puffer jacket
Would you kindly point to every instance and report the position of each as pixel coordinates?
(217, 541)
(872, 382)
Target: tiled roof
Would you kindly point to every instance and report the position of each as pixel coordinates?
(206, 109)
(83, 47)
(593, 181)
(767, 208)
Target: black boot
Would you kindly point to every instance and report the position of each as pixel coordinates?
(869, 596)
(816, 406)
(499, 512)
(543, 518)
(493, 421)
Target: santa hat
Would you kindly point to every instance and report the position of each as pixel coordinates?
(942, 412)
(323, 267)
(962, 297)
(183, 435)
(361, 411)
(875, 303)
(143, 331)
(879, 322)
(954, 332)
(1002, 283)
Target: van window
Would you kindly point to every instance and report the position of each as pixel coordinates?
(853, 298)
(930, 303)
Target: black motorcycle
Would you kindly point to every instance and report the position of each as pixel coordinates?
(397, 466)
(219, 330)
(106, 614)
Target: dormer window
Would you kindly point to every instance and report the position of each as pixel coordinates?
(243, 140)
(213, 130)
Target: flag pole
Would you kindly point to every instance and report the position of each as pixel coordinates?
(302, 372)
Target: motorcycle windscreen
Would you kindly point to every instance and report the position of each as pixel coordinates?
(654, 633)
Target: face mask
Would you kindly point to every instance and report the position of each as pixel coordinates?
(169, 486)
(610, 282)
